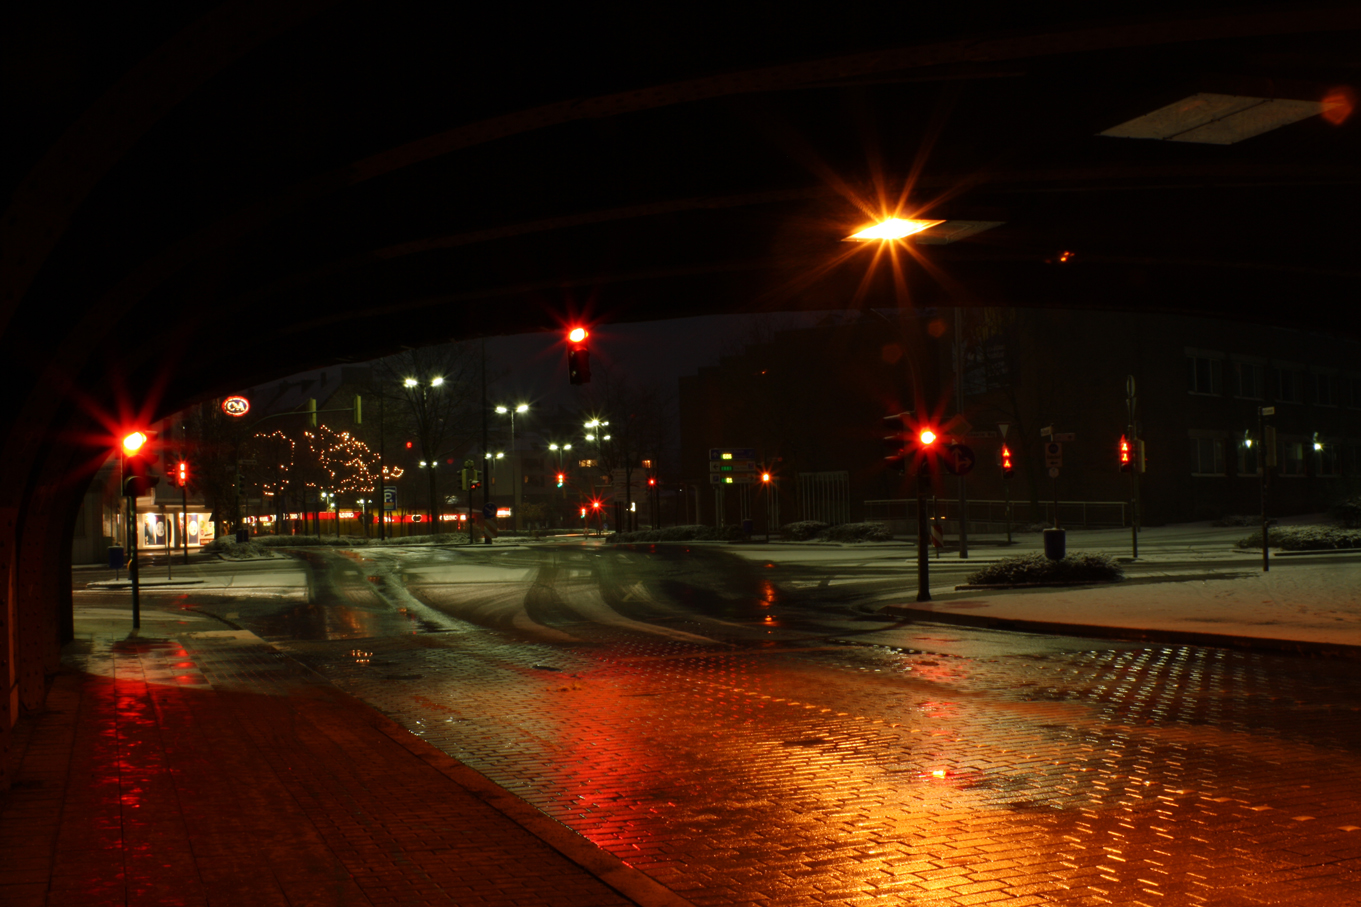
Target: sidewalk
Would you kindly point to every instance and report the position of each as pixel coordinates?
(190, 764)
(1307, 603)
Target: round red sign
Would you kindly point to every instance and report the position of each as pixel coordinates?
(236, 406)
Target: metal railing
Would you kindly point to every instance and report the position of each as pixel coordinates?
(987, 516)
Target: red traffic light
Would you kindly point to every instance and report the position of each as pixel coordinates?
(652, 481)
(408, 445)
(578, 356)
(182, 474)
(927, 437)
(595, 505)
(765, 477)
(1126, 463)
(133, 442)
(1006, 461)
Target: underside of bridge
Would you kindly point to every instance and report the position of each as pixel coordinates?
(206, 197)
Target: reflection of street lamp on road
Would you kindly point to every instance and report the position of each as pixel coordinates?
(516, 490)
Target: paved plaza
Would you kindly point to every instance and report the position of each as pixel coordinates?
(576, 725)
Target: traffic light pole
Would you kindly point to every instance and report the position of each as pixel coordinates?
(923, 533)
(132, 561)
(1130, 401)
(184, 521)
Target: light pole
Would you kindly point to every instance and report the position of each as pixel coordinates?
(594, 432)
(889, 231)
(516, 490)
(559, 448)
(489, 479)
(424, 426)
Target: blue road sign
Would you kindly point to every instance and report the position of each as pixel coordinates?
(389, 498)
(489, 510)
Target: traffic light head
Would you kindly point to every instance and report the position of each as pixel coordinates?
(895, 440)
(1006, 462)
(926, 438)
(579, 365)
(1126, 459)
(182, 474)
(578, 356)
(562, 479)
(652, 481)
(137, 477)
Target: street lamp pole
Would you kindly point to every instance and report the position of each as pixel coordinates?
(889, 231)
(516, 490)
(430, 455)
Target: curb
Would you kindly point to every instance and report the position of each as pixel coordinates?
(144, 584)
(1317, 551)
(1096, 631)
(1057, 585)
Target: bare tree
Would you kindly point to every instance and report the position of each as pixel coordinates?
(640, 423)
(432, 394)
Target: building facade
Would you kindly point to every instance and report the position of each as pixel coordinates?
(811, 402)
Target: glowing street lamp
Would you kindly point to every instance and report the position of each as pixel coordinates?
(892, 228)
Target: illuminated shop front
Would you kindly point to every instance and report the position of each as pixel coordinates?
(168, 530)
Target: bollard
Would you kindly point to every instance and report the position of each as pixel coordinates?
(1055, 544)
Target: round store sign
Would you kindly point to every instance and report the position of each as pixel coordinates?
(236, 406)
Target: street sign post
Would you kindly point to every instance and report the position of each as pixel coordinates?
(732, 466)
(1053, 454)
(389, 497)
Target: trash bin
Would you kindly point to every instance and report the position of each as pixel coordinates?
(746, 528)
(116, 557)
(1055, 545)
(242, 536)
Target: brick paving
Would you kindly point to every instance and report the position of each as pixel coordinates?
(775, 764)
(215, 771)
(847, 774)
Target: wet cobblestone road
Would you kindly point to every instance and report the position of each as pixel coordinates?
(905, 764)
(1133, 776)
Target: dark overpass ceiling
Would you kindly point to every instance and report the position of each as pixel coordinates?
(213, 196)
